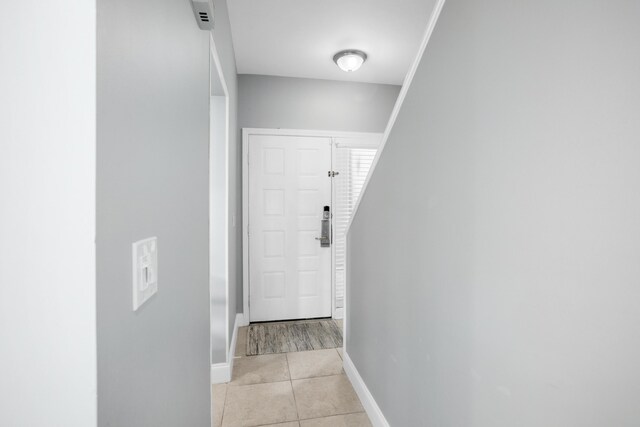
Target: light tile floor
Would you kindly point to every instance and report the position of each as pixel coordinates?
(302, 389)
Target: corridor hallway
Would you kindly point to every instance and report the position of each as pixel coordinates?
(296, 389)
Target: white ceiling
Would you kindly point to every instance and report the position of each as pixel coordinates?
(298, 38)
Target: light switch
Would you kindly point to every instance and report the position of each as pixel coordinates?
(145, 270)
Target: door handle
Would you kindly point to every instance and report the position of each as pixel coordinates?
(325, 228)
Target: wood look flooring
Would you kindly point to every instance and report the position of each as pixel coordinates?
(287, 337)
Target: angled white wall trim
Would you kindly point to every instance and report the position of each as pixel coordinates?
(433, 19)
(370, 406)
(222, 372)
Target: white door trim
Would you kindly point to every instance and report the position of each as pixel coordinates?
(217, 68)
(246, 133)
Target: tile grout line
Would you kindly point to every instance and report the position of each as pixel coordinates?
(336, 415)
(295, 401)
(289, 380)
(325, 376)
(287, 352)
(224, 404)
(226, 390)
(319, 376)
(274, 382)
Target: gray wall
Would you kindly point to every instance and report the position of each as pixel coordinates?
(153, 145)
(494, 260)
(47, 214)
(293, 103)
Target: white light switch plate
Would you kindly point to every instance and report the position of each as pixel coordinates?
(145, 270)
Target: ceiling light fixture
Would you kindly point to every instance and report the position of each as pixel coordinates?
(349, 60)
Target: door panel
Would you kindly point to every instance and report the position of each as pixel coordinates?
(289, 273)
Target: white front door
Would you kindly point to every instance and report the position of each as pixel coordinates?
(289, 272)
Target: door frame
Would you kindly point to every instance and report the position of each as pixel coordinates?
(246, 133)
(220, 371)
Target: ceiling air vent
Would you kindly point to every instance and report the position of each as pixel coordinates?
(203, 10)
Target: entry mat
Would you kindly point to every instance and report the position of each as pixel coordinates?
(284, 337)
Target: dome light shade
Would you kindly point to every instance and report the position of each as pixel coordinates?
(349, 60)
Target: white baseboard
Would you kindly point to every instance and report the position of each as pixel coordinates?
(244, 320)
(370, 406)
(222, 372)
(339, 314)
